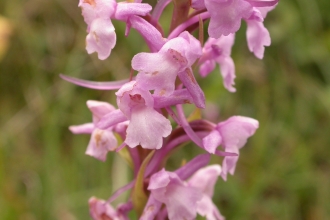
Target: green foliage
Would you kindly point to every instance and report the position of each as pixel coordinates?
(283, 172)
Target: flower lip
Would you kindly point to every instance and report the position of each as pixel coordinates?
(137, 98)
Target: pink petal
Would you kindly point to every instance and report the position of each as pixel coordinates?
(156, 72)
(206, 208)
(257, 37)
(219, 50)
(100, 143)
(101, 38)
(180, 199)
(229, 163)
(99, 109)
(159, 180)
(227, 68)
(236, 130)
(151, 209)
(264, 10)
(212, 141)
(182, 202)
(195, 49)
(206, 68)
(132, 94)
(147, 128)
(93, 9)
(226, 16)
(205, 178)
(100, 209)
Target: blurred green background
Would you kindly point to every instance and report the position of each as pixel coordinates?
(283, 172)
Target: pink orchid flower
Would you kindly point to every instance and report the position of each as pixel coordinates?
(100, 209)
(256, 34)
(97, 14)
(232, 134)
(101, 141)
(180, 198)
(204, 180)
(158, 71)
(183, 200)
(218, 51)
(146, 127)
(226, 15)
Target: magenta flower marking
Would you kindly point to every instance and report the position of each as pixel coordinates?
(140, 130)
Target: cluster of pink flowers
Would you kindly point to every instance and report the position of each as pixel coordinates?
(165, 82)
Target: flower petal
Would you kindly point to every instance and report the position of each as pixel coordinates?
(229, 163)
(93, 9)
(257, 37)
(100, 143)
(226, 16)
(212, 141)
(180, 199)
(227, 68)
(156, 72)
(99, 109)
(147, 128)
(100, 209)
(206, 68)
(101, 38)
(205, 179)
(236, 130)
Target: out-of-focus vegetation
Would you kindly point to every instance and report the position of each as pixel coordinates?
(283, 172)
